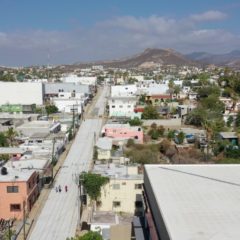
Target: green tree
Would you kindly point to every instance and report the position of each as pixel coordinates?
(50, 109)
(3, 140)
(230, 121)
(180, 137)
(92, 183)
(10, 135)
(196, 117)
(150, 112)
(88, 236)
(237, 121)
(8, 234)
(171, 134)
(135, 122)
(205, 91)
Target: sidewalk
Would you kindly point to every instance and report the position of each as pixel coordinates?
(38, 205)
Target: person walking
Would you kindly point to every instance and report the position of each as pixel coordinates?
(56, 188)
(59, 188)
(66, 188)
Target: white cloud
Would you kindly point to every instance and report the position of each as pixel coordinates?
(117, 37)
(209, 16)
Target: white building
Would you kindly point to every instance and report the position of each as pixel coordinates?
(72, 78)
(123, 91)
(25, 93)
(104, 147)
(123, 107)
(35, 127)
(69, 101)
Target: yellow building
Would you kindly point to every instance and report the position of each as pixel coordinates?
(124, 190)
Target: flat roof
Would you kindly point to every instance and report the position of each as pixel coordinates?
(228, 134)
(11, 150)
(29, 164)
(16, 175)
(116, 171)
(199, 202)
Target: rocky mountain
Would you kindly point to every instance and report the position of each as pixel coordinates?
(231, 59)
(151, 57)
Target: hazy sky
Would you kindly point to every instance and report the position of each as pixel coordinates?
(79, 30)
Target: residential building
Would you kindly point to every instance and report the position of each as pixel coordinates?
(123, 191)
(54, 89)
(123, 91)
(104, 147)
(112, 226)
(183, 110)
(231, 137)
(31, 128)
(123, 132)
(192, 201)
(18, 192)
(72, 78)
(123, 107)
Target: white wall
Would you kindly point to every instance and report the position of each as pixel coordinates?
(123, 91)
(21, 93)
(66, 105)
(83, 80)
(121, 108)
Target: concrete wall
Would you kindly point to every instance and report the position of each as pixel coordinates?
(25, 193)
(21, 93)
(104, 154)
(55, 88)
(126, 194)
(155, 209)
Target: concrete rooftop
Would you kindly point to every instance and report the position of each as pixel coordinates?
(198, 202)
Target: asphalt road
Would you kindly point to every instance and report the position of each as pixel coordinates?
(59, 216)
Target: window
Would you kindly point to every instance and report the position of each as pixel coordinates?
(113, 106)
(12, 189)
(116, 204)
(138, 186)
(116, 186)
(138, 204)
(129, 106)
(136, 137)
(15, 207)
(120, 106)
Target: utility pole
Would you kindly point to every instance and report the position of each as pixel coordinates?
(24, 220)
(52, 163)
(73, 119)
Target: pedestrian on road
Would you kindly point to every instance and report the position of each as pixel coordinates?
(66, 188)
(56, 188)
(59, 188)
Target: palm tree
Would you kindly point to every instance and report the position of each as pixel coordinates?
(10, 135)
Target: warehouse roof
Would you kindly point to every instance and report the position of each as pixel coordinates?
(197, 201)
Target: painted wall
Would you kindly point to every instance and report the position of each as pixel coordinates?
(125, 133)
(28, 192)
(126, 195)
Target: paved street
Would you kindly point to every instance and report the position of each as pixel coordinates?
(59, 217)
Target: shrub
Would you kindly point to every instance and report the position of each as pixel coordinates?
(130, 143)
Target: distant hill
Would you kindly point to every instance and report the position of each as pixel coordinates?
(231, 59)
(149, 58)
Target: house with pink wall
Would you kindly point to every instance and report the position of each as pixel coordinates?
(18, 191)
(123, 132)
